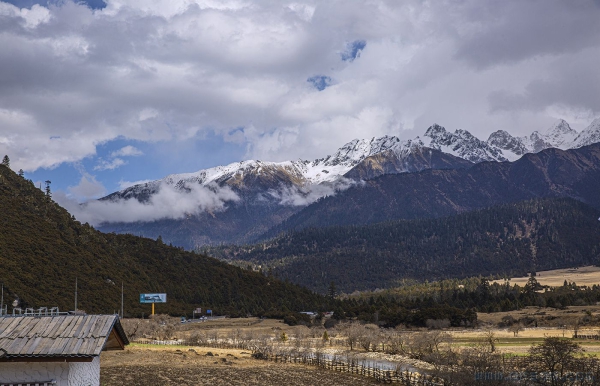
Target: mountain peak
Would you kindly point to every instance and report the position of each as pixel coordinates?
(560, 134)
(435, 130)
(462, 144)
(589, 135)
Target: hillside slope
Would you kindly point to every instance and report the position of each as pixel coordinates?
(507, 240)
(43, 249)
(435, 193)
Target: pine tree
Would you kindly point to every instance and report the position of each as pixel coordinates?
(6, 161)
(332, 292)
(48, 192)
(21, 173)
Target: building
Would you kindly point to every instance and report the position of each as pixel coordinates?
(56, 350)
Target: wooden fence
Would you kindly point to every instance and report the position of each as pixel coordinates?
(591, 337)
(336, 363)
(356, 367)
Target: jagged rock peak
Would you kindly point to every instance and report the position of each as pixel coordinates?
(462, 144)
(435, 130)
(559, 134)
(589, 135)
(503, 140)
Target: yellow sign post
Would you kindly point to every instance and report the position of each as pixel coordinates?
(153, 298)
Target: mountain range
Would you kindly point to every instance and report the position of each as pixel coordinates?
(261, 196)
(505, 240)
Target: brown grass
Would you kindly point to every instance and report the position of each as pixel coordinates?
(140, 365)
(589, 276)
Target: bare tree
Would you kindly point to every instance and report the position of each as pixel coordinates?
(367, 338)
(489, 338)
(516, 328)
(555, 358)
(352, 331)
(396, 342)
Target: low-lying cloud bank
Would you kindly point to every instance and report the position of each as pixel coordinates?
(168, 203)
(172, 202)
(306, 195)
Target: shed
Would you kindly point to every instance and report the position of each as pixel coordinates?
(56, 350)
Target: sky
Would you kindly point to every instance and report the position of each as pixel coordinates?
(98, 95)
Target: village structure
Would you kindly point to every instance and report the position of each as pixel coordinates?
(61, 350)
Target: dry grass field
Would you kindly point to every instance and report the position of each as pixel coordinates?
(589, 276)
(141, 365)
(178, 365)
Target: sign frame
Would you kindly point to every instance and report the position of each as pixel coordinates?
(153, 298)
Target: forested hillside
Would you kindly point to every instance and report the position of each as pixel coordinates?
(505, 240)
(435, 193)
(43, 250)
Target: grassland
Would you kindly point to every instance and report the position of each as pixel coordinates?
(193, 365)
(589, 276)
(140, 365)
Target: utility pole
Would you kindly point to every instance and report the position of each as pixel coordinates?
(75, 294)
(121, 300)
(2, 301)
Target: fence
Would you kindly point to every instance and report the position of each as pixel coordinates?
(591, 337)
(355, 367)
(330, 362)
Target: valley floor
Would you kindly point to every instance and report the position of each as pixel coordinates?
(141, 366)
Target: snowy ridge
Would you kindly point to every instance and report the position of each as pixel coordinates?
(588, 136)
(500, 146)
(560, 135)
(303, 173)
(462, 144)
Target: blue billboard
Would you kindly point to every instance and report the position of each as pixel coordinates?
(153, 298)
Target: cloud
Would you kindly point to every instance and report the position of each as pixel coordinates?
(308, 194)
(168, 203)
(127, 151)
(168, 71)
(87, 188)
(110, 164)
(114, 162)
(126, 184)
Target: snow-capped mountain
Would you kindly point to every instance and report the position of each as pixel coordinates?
(560, 135)
(300, 173)
(244, 199)
(588, 136)
(462, 144)
(404, 155)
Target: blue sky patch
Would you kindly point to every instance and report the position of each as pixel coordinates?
(141, 161)
(353, 50)
(320, 82)
(93, 4)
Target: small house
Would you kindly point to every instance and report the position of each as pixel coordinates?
(59, 350)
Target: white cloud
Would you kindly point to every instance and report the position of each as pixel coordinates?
(310, 193)
(127, 151)
(126, 184)
(87, 188)
(168, 203)
(167, 70)
(110, 164)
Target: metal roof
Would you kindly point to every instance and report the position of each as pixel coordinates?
(60, 336)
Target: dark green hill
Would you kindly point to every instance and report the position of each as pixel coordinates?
(435, 193)
(43, 249)
(505, 240)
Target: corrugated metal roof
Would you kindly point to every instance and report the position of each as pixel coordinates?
(58, 336)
